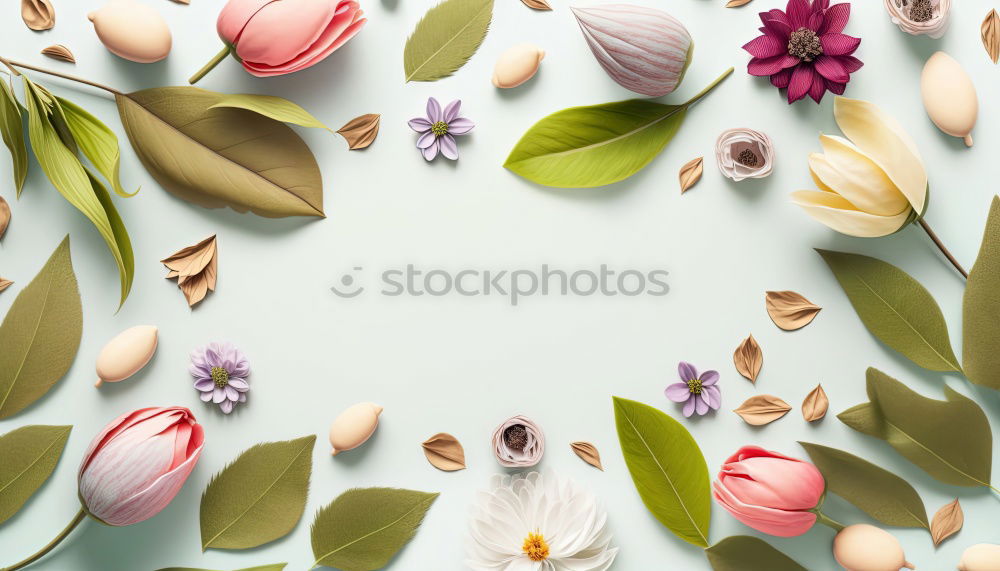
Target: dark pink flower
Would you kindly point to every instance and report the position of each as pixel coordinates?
(804, 50)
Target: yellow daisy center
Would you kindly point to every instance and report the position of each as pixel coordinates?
(535, 547)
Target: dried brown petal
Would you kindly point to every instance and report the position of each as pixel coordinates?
(196, 269)
(737, 3)
(537, 4)
(690, 173)
(762, 409)
(360, 131)
(588, 453)
(748, 359)
(790, 310)
(59, 52)
(4, 216)
(947, 522)
(991, 35)
(444, 452)
(183, 1)
(4, 283)
(815, 405)
(38, 14)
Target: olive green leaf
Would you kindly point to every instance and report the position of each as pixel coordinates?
(259, 497)
(879, 493)
(271, 567)
(601, 144)
(221, 157)
(667, 468)
(445, 38)
(97, 141)
(748, 553)
(11, 130)
(364, 528)
(29, 453)
(40, 334)
(276, 108)
(950, 439)
(981, 306)
(895, 308)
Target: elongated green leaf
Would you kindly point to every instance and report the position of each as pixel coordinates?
(12, 131)
(276, 108)
(271, 567)
(879, 493)
(667, 468)
(950, 439)
(40, 334)
(97, 141)
(748, 553)
(259, 497)
(981, 308)
(364, 528)
(895, 308)
(445, 38)
(221, 157)
(29, 455)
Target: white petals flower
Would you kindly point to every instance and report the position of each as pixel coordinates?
(538, 522)
(744, 153)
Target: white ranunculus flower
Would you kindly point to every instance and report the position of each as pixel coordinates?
(535, 522)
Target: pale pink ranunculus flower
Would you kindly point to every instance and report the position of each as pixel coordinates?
(138, 463)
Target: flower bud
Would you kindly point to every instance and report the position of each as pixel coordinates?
(863, 547)
(920, 17)
(518, 443)
(744, 153)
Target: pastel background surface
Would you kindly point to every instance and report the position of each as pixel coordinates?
(463, 365)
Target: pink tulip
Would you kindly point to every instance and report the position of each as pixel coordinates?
(275, 37)
(138, 463)
(770, 492)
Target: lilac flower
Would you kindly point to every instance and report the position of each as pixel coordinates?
(698, 392)
(438, 129)
(220, 372)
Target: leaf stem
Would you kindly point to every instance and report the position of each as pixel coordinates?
(15, 64)
(216, 60)
(947, 254)
(80, 515)
(823, 519)
(709, 88)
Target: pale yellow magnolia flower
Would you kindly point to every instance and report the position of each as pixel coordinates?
(873, 182)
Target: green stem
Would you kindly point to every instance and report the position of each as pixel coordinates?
(15, 64)
(225, 51)
(80, 515)
(710, 87)
(823, 519)
(947, 254)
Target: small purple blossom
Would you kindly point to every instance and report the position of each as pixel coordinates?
(699, 393)
(220, 373)
(438, 129)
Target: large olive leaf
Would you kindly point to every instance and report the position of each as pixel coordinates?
(221, 157)
(981, 308)
(11, 130)
(41, 333)
(445, 38)
(748, 553)
(895, 308)
(271, 567)
(29, 453)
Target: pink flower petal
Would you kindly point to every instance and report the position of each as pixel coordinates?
(839, 44)
(771, 66)
(835, 19)
(830, 68)
(765, 47)
(850, 63)
(798, 12)
(700, 406)
(709, 378)
(689, 407)
(677, 392)
(800, 83)
(280, 31)
(686, 371)
(781, 79)
(836, 88)
(818, 88)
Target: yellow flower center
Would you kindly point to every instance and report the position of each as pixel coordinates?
(535, 547)
(220, 376)
(694, 386)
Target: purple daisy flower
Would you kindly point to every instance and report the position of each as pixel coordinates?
(438, 129)
(699, 393)
(220, 373)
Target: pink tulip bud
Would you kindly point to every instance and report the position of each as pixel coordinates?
(770, 492)
(138, 463)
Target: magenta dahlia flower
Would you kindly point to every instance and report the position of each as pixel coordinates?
(803, 49)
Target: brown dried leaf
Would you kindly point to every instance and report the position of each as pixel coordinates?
(38, 14)
(444, 452)
(991, 35)
(947, 522)
(762, 409)
(196, 269)
(790, 310)
(360, 131)
(59, 52)
(183, 1)
(4, 283)
(815, 405)
(748, 359)
(737, 3)
(690, 173)
(588, 453)
(4, 216)
(537, 4)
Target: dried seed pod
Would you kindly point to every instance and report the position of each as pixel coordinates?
(126, 354)
(59, 52)
(38, 14)
(444, 452)
(588, 453)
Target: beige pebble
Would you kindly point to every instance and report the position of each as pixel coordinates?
(949, 96)
(132, 31)
(517, 65)
(354, 426)
(126, 354)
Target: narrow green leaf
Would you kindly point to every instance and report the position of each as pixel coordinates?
(879, 493)
(29, 455)
(667, 468)
(259, 497)
(445, 38)
(97, 141)
(748, 553)
(11, 129)
(364, 528)
(40, 334)
(276, 108)
(271, 567)
(895, 308)
(981, 308)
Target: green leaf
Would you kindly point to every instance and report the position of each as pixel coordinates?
(748, 553)
(271, 567)
(97, 141)
(11, 130)
(259, 497)
(276, 108)
(667, 468)
(981, 308)
(895, 308)
(364, 528)
(40, 334)
(445, 38)
(879, 493)
(71, 179)
(950, 439)
(221, 157)
(29, 455)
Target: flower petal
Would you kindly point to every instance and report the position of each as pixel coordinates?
(433, 110)
(709, 378)
(781, 79)
(204, 385)
(836, 212)
(451, 111)
(839, 44)
(831, 68)
(227, 406)
(851, 174)
(426, 140)
(700, 406)
(835, 19)
(766, 46)
(677, 392)
(850, 63)
(712, 396)
(686, 371)
(218, 395)
(419, 124)
(431, 152)
(239, 384)
(460, 126)
(448, 147)
(798, 13)
(770, 66)
(800, 83)
(818, 88)
(206, 396)
(689, 407)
